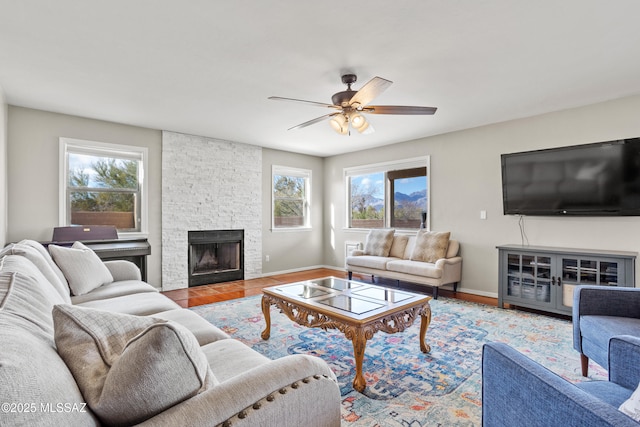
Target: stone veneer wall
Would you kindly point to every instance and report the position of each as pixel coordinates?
(208, 184)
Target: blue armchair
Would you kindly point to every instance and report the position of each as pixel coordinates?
(518, 391)
(599, 313)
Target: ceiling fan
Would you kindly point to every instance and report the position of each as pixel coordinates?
(349, 105)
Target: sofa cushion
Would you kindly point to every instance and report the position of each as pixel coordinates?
(44, 264)
(47, 256)
(229, 358)
(368, 261)
(398, 246)
(129, 368)
(26, 295)
(81, 266)
(204, 331)
(32, 372)
(452, 250)
(114, 289)
(598, 330)
(140, 304)
(416, 268)
(378, 242)
(430, 246)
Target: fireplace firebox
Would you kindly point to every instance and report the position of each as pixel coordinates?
(215, 256)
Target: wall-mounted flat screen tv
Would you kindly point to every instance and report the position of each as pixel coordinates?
(601, 179)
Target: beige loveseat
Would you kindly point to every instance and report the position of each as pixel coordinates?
(426, 258)
(121, 353)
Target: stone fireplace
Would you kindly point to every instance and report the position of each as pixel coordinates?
(215, 256)
(209, 184)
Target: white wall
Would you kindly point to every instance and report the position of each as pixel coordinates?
(300, 249)
(32, 153)
(3, 169)
(466, 178)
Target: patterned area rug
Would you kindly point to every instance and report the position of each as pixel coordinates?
(404, 386)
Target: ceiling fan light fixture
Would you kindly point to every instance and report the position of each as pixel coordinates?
(362, 128)
(339, 123)
(357, 120)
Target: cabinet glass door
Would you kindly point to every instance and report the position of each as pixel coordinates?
(609, 273)
(571, 275)
(543, 279)
(529, 277)
(514, 285)
(586, 271)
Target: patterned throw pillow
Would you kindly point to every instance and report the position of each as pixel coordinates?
(631, 406)
(129, 368)
(379, 242)
(430, 246)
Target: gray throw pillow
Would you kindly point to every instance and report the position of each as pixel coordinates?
(129, 368)
(83, 269)
(430, 246)
(379, 242)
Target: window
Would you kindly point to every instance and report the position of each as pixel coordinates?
(103, 184)
(391, 194)
(291, 192)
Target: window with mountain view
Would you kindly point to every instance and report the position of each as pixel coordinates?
(291, 197)
(408, 197)
(388, 195)
(103, 185)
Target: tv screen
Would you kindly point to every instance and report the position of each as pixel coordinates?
(600, 179)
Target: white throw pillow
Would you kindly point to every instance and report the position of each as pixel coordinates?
(129, 368)
(83, 269)
(631, 406)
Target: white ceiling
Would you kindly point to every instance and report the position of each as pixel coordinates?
(206, 67)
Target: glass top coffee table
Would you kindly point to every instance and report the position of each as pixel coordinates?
(358, 310)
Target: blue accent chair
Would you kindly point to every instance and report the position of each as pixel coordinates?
(516, 391)
(599, 313)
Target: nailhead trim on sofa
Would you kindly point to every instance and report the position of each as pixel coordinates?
(269, 398)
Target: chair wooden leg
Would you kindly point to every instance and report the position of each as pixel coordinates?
(455, 286)
(584, 363)
(435, 292)
(350, 275)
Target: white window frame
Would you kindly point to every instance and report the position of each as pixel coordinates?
(133, 152)
(298, 173)
(385, 167)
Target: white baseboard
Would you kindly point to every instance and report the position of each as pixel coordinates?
(333, 267)
(297, 270)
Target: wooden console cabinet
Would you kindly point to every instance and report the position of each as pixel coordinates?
(543, 278)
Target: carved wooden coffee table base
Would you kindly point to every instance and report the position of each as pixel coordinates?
(357, 331)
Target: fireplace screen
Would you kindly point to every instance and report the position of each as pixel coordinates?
(215, 256)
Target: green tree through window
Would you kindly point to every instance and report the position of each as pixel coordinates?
(290, 198)
(103, 191)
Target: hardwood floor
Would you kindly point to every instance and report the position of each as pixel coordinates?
(207, 294)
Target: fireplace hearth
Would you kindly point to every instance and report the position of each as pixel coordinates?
(215, 256)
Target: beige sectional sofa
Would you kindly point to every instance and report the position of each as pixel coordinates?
(427, 258)
(118, 352)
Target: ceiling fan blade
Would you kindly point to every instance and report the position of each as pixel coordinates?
(398, 109)
(370, 90)
(317, 104)
(313, 121)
